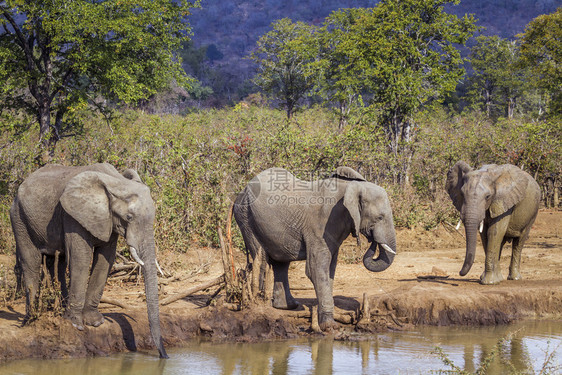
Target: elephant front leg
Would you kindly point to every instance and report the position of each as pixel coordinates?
(492, 247)
(79, 265)
(104, 257)
(318, 271)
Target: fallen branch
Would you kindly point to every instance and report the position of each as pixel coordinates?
(232, 306)
(228, 265)
(195, 289)
(314, 320)
(365, 310)
(112, 301)
(454, 229)
(345, 318)
(392, 316)
(169, 280)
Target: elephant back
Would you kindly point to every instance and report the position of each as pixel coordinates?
(348, 173)
(38, 196)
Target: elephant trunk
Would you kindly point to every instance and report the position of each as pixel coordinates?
(387, 251)
(149, 271)
(471, 230)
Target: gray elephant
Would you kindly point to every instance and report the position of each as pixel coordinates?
(284, 219)
(503, 200)
(81, 211)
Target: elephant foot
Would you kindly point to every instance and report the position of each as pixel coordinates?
(75, 319)
(284, 300)
(327, 323)
(28, 319)
(290, 304)
(515, 275)
(490, 278)
(92, 318)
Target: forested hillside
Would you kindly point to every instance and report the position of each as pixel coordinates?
(225, 33)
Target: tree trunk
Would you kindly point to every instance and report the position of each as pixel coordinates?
(44, 118)
(488, 103)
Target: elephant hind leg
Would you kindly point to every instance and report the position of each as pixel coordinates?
(514, 265)
(282, 298)
(28, 271)
(258, 263)
(103, 259)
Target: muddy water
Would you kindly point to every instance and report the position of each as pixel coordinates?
(526, 346)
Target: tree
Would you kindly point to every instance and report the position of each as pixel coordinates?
(285, 58)
(498, 79)
(404, 52)
(60, 55)
(336, 84)
(540, 50)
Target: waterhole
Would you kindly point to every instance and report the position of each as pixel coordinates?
(527, 347)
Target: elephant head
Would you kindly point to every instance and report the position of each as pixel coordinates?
(104, 205)
(493, 188)
(370, 211)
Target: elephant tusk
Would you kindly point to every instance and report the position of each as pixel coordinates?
(458, 225)
(388, 248)
(136, 256)
(158, 267)
(481, 226)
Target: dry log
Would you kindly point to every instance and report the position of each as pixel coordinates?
(112, 301)
(193, 290)
(232, 306)
(118, 267)
(169, 280)
(365, 310)
(314, 320)
(228, 275)
(343, 318)
(229, 244)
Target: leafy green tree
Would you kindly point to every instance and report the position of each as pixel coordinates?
(58, 56)
(405, 53)
(410, 58)
(286, 62)
(336, 84)
(498, 80)
(541, 51)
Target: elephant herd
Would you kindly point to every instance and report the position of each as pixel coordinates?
(81, 211)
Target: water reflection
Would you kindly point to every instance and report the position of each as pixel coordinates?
(388, 353)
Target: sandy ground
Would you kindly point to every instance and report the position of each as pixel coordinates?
(421, 287)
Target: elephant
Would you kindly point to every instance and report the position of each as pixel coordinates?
(81, 211)
(504, 200)
(284, 219)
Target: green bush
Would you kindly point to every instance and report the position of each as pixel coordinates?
(195, 164)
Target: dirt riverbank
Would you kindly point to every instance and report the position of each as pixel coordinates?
(421, 287)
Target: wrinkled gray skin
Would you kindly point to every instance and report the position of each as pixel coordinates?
(506, 199)
(81, 211)
(291, 219)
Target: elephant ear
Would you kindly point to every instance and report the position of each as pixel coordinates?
(352, 201)
(132, 175)
(348, 174)
(86, 198)
(454, 183)
(511, 186)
